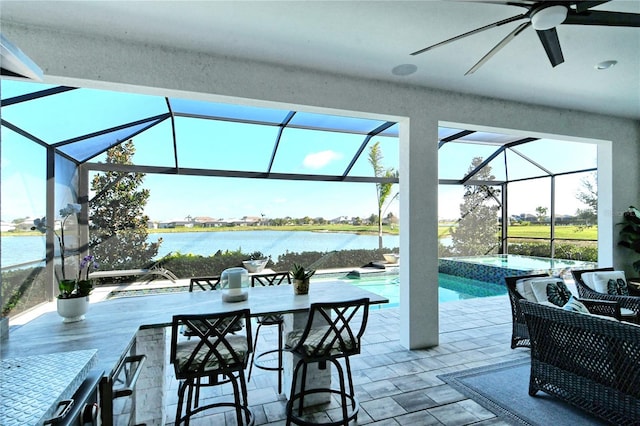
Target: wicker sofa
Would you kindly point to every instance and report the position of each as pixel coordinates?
(588, 361)
(520, 332)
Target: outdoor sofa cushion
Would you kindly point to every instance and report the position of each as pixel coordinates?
(607, 282)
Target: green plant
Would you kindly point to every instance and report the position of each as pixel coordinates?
(82, 286)
(299, 272)
(630, 232)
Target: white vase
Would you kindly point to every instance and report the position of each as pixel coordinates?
(73, 310)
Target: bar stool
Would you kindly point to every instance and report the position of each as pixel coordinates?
(215, 353)
(204, 284)
(260, 360)
(333, 331)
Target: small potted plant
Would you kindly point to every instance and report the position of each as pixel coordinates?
(301, 277)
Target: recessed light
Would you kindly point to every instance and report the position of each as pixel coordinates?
(404, 69)
(605, 65)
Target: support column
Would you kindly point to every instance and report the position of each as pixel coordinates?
(149, 393)
(419, 233)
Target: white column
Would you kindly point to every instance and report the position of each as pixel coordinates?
(418, 233)
(149, 394)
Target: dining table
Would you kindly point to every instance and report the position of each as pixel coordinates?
(121, 327)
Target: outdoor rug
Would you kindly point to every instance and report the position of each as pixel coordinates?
(504, 390)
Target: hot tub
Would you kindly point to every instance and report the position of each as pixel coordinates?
(494, 268)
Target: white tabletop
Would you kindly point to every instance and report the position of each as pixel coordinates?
(111, 325)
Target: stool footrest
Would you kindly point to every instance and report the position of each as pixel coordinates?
(260, 363)
(352, 403)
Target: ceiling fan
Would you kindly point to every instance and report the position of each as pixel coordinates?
(545, 17)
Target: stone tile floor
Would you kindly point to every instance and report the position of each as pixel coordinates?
(395, 386)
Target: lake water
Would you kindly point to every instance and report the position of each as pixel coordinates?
(17, 250)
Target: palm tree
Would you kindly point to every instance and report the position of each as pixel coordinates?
(383, 190)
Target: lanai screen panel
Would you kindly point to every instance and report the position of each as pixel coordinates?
(304, 151)
(223, 145)
(57, 118)
(390, 156)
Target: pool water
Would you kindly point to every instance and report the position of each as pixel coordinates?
(514, 261)
(450, 287)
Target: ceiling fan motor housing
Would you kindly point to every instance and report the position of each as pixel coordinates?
(549, 16)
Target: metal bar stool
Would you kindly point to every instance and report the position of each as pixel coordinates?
(333, 331)
(216, 353)
(210, 283)
(260, 360)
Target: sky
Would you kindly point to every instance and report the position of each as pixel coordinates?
(234, 146)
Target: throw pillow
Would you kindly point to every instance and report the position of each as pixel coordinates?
(618, 287)
(523, 286)
(601, 280)
(574, 305)
(587, 278)
(553, 290)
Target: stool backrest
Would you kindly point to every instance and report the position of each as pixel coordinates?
(275, 278)
(334, 329)
(213, 342)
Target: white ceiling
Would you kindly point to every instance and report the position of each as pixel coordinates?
(369, 38)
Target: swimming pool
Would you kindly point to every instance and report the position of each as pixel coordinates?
(494, 268)
(450, 287)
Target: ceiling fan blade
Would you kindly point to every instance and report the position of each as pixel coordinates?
(499, 46)
(551, 44)
(477, 30)
(583, 6)
(600, 17)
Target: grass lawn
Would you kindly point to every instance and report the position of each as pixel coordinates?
(356, 229)
(542, 231)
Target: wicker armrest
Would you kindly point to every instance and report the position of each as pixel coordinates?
(608, 308)
(634, 286)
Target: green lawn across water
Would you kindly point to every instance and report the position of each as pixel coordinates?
(568, 232)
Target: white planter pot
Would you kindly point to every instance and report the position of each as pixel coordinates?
(72, 310)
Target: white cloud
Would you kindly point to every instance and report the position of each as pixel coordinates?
(318, 160)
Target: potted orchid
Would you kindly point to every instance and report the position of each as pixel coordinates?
(73, 299)
(82, 286)
(41, 225)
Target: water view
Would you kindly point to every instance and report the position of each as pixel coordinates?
(16, 250)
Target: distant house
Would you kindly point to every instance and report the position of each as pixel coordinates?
(207, 222)
(27, 223)
(175, 223)
(251, 220)
(341, 219)
(7, 227)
